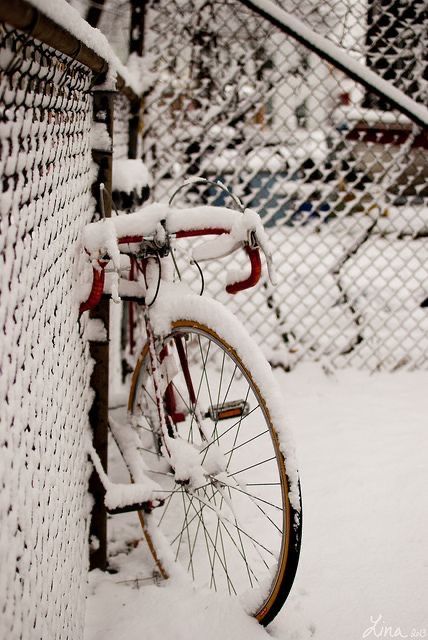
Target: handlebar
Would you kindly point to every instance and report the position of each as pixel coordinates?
(154, 224)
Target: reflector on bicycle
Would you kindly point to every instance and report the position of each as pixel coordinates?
(227, 410)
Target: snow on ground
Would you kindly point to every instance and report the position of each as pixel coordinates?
(362, 446)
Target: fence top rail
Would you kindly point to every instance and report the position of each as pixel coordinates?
(59, 26)
(291, 25)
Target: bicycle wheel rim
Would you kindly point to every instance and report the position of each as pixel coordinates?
(288, 550)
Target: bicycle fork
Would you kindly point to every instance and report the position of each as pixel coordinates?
(164, 428)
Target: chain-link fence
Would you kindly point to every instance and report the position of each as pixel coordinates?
(59, 114)
(46, 169)
(339, 177)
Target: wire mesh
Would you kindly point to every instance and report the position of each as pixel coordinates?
(46, 169)
(121, 126)
(338, 177)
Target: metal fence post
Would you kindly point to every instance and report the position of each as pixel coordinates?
(136, 45)
(136, 38)
(98, 415)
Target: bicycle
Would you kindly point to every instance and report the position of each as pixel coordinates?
(215, 480)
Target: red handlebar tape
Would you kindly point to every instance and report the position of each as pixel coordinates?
(253, 278)
(98, 277)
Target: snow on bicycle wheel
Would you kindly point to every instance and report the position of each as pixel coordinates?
(227, 516)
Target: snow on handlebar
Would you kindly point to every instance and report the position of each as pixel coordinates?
(155, 222)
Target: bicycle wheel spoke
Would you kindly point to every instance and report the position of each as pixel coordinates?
(259, 507)
(216, 537)
(221, 377)
(154, 453)
(149, 395)
(188, 542)
(223, 550)
(200, 383)
(203, 362)
(199, 515)
(247, 442)
(164, 512)
(204, 369)
(161, 473)
(141, 426)
(195, 540)
(229, 386)
(249, 570)
(262, 484)
(191, 412)
(216, 553)
(252, 466)
(250, 573)
(184, 527)
(252, 496)
(240, 551)
(214, 431)
(220, 523)
(237, 433)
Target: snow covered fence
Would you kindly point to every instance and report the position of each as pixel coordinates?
(47, 77)
(46, 114)
(339, 177)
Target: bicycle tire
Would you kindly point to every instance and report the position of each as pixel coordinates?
(264, 605)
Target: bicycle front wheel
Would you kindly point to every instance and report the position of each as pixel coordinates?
(237, 531)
